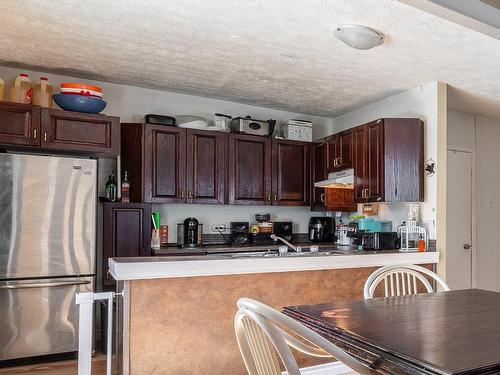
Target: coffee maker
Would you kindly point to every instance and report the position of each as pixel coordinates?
(189, 233)
(321, 229)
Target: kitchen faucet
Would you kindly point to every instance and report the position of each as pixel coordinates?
(276, 238)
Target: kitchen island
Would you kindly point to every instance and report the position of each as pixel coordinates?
(176, 315)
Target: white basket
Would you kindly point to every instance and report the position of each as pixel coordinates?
(411, 234)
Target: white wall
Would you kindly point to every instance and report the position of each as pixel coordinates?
(481, 135)
(421, 102)
(131, 103)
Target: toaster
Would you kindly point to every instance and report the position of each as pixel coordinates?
(247, 125)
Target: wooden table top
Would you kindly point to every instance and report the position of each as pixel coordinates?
(455, 332)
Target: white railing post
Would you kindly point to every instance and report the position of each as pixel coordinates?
(86, 302)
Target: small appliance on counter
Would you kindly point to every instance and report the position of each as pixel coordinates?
(159, 120)
(380, 241)
(345, 234)
(247, 125)
(189, 233)
(321, 229)
(239, 232)
(283, 229)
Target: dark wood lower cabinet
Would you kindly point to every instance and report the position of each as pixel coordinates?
(126, 233)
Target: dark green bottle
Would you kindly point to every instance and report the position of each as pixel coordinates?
(111, 188)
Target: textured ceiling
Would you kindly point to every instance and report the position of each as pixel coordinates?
(274, 53)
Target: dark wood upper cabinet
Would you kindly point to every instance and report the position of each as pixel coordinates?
(345, 150)
(167, 164)
(319, 173)
(23, 125)
(164, 164)
(340, 151)
(126, 233)
(375, 169)
(331, 144)
(249, 169)
(290, 173)
(388, 161)
(205, 160)
(359, 162)
(19, 124)
(80, 132)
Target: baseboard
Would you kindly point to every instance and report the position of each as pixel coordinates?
(332, 368)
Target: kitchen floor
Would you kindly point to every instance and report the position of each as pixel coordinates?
(66, 367)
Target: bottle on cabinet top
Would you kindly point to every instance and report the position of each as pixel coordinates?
(111, 193)
(42, 94)
(21, 90)
(125, 189)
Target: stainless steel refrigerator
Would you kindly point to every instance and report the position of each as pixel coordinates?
(47, 251)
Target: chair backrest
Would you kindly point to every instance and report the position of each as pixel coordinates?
(401, 280)
(265, 336)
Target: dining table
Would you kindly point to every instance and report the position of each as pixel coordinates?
(454, 332)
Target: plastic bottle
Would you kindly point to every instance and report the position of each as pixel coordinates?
(2, 86)
(21, 90)
(42, 94)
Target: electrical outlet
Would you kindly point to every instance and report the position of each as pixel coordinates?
(218, 227)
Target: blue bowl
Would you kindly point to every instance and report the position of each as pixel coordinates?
(79, 103)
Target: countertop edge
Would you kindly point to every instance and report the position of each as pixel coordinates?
(143, 270)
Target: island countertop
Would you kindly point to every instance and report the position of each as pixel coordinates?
(159, 267)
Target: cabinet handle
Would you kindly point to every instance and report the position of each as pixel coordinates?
(34, 133)
(269, 197)
(275, 197)
(340, 162)
(322, 198)
(190, 194)
(45, 136)
(335, 162)
(181, 193)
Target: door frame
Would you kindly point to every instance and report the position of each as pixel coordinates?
(472, 153)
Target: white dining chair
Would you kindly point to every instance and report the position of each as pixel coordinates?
(401, 280)
(265, 336)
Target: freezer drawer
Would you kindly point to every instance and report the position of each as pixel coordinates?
(39, 317)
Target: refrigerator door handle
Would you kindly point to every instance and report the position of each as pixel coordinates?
(20, 285)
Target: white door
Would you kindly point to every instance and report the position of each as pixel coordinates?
(459, 220)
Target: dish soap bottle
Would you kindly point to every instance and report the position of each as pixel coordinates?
(42, 95)
(111, 188)
(21, 90)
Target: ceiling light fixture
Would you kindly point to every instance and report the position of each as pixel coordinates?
(359, 36)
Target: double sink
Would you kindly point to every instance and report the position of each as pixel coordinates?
(274, 253)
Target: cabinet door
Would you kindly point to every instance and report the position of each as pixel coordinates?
(249, 169)
(344, 149)
(290, 173)
(359, 163)
(19, 124)
(205, 166)
(80, 132)
(331, 153)
(375, 172)
(165, 164)
(126, 233)
(319, 158)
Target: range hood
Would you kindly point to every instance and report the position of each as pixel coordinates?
(338, 180)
